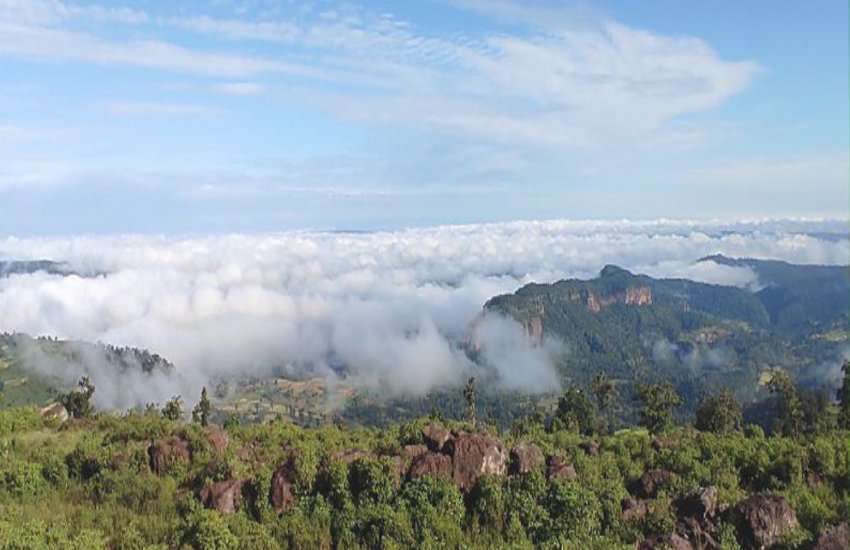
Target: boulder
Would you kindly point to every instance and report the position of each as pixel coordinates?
(590, 447)
(634, 509)
(558, 468)
(412, 451)
(435, 436)
(525, 457)
(223, 496)
(836, 537)
(163, 454)
(763, 520)
(54, 410)
(282, 491)
(475, 455)
(217, 438)
(700, 504)
(431, 464)
(347, 456)
(673, 541)
(651, 482)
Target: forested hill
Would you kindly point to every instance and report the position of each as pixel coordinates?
(700, 336)
(798, 298)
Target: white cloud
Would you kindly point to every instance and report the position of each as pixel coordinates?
(794, 172)
(389, 305)
(559, 85)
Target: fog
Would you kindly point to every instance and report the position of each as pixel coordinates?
(389, 307)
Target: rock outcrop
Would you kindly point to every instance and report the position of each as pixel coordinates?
(282, 491)
(672, 541)
(525, 457)
(54, 410)
(836, 537)
(700, 505)
(432, 464)
(763, 520)
(163, 454)
(474, 455)
(558, 468)
(217, 438)
(223, 496)
(651, 482)
(435, 437)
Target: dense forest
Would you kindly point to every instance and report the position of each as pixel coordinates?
(153, 478)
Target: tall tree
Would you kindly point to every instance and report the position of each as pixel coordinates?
(658, 401)
(575, 412)
(844, 398)
(469, 395)
(201, 412)
(720, 413)
(790, 415)
(604, 392)
(173, 409)
(78, 402)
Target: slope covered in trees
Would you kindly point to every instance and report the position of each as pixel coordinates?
(150, 479)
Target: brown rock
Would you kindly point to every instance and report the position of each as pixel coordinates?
(525, 457)
(558, 468)
(435, 437)
(651, 482)
(431, 464)
(633, 509)
(700, 504)
(836, 537)
(282, 492)
(764, 519)
(590, 447)
(164, 453)
(224, 496)
(412, 451)
(218, 438)
(348, 456)
(673, 541)
(475, 455)
(54, 410)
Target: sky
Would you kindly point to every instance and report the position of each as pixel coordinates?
(261, 116)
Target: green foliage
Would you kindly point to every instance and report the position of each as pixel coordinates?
(201, 412)
(720, 413)
(37, 535)
(789, 414)
(173, 409)
(78, 402)
(844, 397)
(658, 401)
(575, 412)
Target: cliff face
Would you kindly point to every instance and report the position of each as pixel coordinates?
(633, 296)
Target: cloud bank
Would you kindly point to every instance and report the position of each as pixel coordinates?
(388, 308)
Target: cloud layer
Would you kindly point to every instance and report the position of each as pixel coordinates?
(389, 307)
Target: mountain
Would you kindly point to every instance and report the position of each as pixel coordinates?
(699, 336)
(798, 298)
(23, 267)
(36, 370)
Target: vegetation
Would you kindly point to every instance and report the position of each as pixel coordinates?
(100, 483)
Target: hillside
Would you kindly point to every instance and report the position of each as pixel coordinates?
(700, 336)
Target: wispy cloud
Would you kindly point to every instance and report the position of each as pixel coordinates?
(153, 108)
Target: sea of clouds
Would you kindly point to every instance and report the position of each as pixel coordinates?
(390, 307)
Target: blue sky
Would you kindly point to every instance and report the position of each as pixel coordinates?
(194, 117)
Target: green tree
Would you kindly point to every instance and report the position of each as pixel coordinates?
(790, 414)
(605, 393)
(720, 413)
(78, 402)
(469, 396)
(575, 412)
(201, 412)
(173, 409)
(658, 401)
(844, 398)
